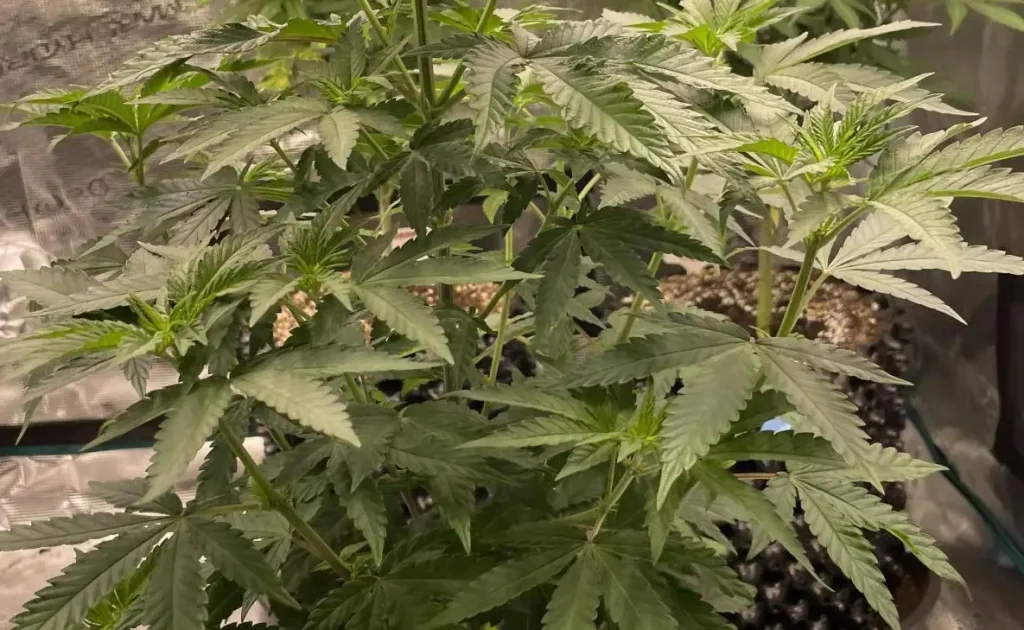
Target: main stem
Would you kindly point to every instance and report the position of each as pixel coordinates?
(281, 505)
(638, 302)
(766, 234)
(610, 502)
(453, 84)
(445, 292)
(796, 301)
(499, 340)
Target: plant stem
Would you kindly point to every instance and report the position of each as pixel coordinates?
(756, 476)
(426, 62)
(609, 504)
(638, 302)
(370, 140)
(382, 35)
(140, 162)
(562, 194)
(691, 174)
(766, 235)
(279, 439)
(796, 301)
(499, 340)
(284, 156)
(279, 503)
(449, 90)
(221, 510)
(590, 185)
(355, 389)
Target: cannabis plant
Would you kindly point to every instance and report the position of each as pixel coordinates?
(584, 491)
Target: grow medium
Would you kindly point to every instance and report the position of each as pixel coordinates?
(788, 597)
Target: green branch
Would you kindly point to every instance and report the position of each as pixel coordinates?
(317, 544)
(453, 83)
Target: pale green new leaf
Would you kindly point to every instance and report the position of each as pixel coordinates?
(183, 433)
(825, 356)
(491, 83)
(837, 39)
(630, 598)
(557, 403)
(299, 397)
(234, 556)
(979, 150)
(826, 410)
(971, 258)
(816, 82)
(715, 394)
(928, 220)
(175, 595)
(605, 108)
(69, 596)
(408, 316)
(502, 584)
(873, 232)
(71, 530)
(853, 554)
(641, 357)
(555, 290)
(685, 66)
(365, 507)
(573, 604)
(339, 131)
(861, 78)
(896, 287)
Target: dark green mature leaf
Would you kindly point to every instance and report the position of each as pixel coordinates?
(629, 597)
(365, 506)
(408, 316)
(182, 434)
(299, 397)
(454, 270)
(375, 426)
(560, 404)
(573, 605)
(560, 271)
(637, 231)
(47, 286)
(504, 583)
(712, 400)
(853, 554)
(604, 107)
(825, 356)
(71, 530)
(128, 493)
(785, 446)
(758, 508)
(216, 471)
(176, 595)
(621, 263)
(234, 556)
(641, 357)
(827, 410)
(417, 190)
(68, 597)
(542, 432)
(331, 361)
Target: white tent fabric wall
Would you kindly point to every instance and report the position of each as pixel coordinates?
(52, 198)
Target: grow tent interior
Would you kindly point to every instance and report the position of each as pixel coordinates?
(53, 197)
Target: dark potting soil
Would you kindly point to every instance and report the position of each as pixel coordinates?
(788, 597)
